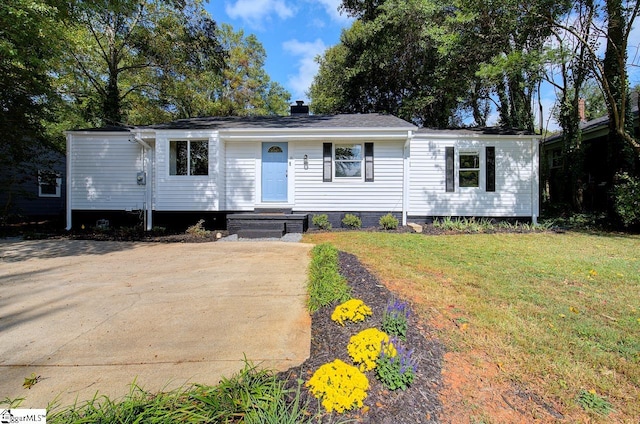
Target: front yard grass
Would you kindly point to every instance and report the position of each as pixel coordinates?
(559, 313)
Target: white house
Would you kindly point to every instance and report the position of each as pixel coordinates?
(367, 164)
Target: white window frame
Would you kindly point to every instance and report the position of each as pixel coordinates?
(555, 158)
(336, 161)
(58, 191)
(480, 169)
(172, 159)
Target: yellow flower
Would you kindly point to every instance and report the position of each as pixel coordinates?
(340, 386)
(364, 348)
(353, 310)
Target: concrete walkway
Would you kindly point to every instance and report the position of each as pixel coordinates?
(93, 317)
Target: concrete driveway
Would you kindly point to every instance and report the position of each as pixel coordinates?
(91, 317)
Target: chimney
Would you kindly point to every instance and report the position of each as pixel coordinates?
(582, 114)
(299, 109)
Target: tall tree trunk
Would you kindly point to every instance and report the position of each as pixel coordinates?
(615, 75)
(111, 106)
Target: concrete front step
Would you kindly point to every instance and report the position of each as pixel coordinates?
(260, 233)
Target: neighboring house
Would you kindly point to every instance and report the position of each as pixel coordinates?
(595, 188)
(366, 164)
(35, 190)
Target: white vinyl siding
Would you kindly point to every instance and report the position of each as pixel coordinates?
(241, 175)
(384, 194)
(185, 192)
(515, 173)
(104, 173)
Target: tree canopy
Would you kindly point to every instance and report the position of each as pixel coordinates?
(437, 63)
(77, 64)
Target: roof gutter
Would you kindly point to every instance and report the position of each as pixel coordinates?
(141, 142)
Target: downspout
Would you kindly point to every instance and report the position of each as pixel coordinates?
(535, 180)
(405, 177)
(147, 210)
(68, 182)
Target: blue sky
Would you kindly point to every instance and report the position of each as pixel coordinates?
(293, 33)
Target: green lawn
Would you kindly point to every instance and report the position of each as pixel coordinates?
(558, 312)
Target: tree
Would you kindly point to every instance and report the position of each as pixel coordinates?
(389, 62)
(127, 48)
(569, 56)
(506, 42)
(245, 88)
(29, 40)
(612, 25)
(615, 82)
(431, 62)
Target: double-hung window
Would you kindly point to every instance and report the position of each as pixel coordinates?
(188, 157)
(348, 160)
(469, 169)
(49, 184)
(466, 165)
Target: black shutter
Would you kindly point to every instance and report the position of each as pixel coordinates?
(449, 169)
(327, 170)
(368, 162)
(491, 168)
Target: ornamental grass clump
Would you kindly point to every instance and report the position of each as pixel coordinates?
(354, 310)
(340, 386)
(397, 371)
(395, 320)
(364, 348)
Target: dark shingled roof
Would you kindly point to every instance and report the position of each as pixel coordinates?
(108, 128)
(477, 130)
(369, 120)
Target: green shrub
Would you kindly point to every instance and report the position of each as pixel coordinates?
(198, 229)
(396, 371)
(626, 199)
(388, 222)
(352, 221)
(321, 221)
(395, 320)
(326, 285)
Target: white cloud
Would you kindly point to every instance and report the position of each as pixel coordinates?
(255, 11)
(306, 65)
(317, 23)
(331, 7)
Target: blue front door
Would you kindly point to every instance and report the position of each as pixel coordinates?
(274, 172)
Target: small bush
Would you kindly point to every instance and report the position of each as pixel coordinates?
(326, 285)
(397, 371)
(365, 347)
(198, 229)
(388, 222)
(321, 221)
(352, 221)
(395, 319)
(626, 199)
(353, 310)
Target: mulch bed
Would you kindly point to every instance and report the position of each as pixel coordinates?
(419, 403)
